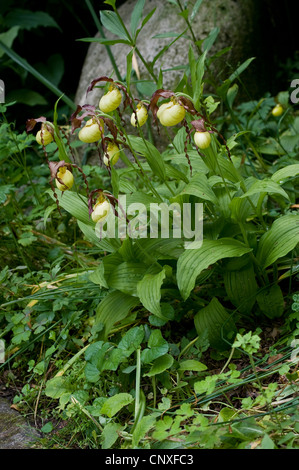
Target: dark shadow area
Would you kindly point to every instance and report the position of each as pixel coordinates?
(276, 44)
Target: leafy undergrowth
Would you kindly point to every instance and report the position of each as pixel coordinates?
(80, 392)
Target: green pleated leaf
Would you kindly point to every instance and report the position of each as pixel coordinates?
(199, 186)
(151, 153)
(192, 262)
(106, 244)
(158, 248)
(271, 302)
(140, 198)
(198, 165)
(114, 308)
(286, 172)
(218, 324)
(173, 173)
(74, 204)
(228, 170)
(241, 209)
(101, 274)
(149, 292)
(265, 186)
(126, 276)
(271, 147)
(282, 237)
(241, 287)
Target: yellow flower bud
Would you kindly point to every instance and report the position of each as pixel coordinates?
(91, 132)
(44, 137)
(110, 101)
(100, 211)
(202, 139)
(171, 113)
(113, 154)
(142, 115)
(277, 110)
(66, 177)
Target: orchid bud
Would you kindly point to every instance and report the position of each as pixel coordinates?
(100, 211)
(142, 115)
(91, 132)
(66, 176)
(112, 154)
(171, 113)
(277, 110)
(110, 101)
(44, 137)
(202, 139)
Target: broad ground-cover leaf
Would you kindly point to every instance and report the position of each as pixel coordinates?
(161, 364)
(57, 386)
(282, 237)
(192, 262)
(113, 404)
(192, 364)
(131, 340)
(143, 426)
(110, 434)
(157, 347)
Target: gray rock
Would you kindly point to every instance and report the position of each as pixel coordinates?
(235, 20)
(15, 433)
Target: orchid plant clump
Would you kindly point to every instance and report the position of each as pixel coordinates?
(204, 166)
(170, 113)
(212, 177)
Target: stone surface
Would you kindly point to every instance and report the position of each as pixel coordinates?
(15, 433)
(235, 20)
